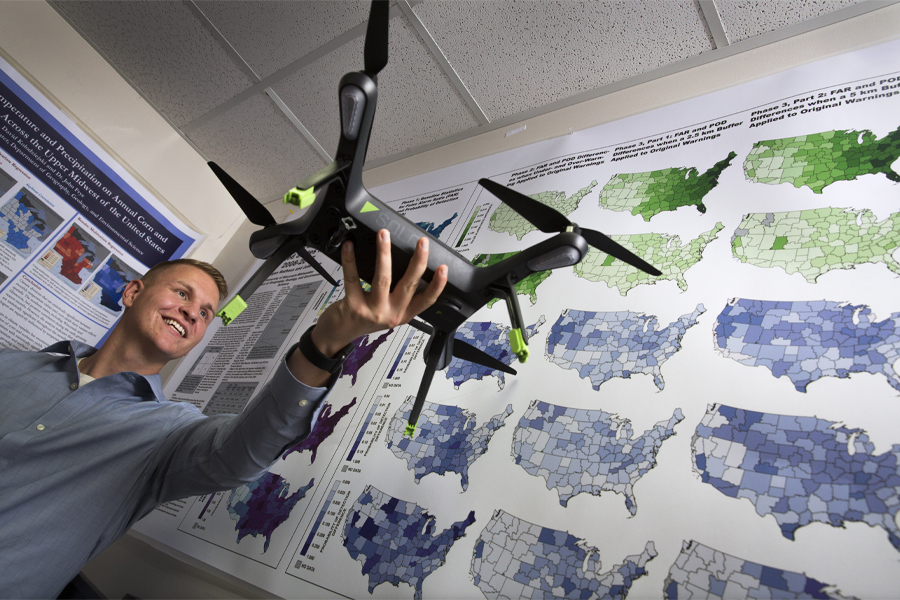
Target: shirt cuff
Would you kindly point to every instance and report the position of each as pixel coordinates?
(294, 396)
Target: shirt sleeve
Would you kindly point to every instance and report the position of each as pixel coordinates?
(209, 454)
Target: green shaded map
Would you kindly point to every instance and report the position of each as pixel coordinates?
(506, 220)
(812, 242)
(652, 192)
(820, 159)
(665, 252)
(526, 287)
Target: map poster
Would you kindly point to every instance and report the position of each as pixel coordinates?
(75, 227)
(730, 428)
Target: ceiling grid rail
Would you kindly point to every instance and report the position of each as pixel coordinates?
(714, 22)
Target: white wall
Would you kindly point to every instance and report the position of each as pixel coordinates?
(59, 62)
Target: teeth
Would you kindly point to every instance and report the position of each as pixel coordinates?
(175, 325)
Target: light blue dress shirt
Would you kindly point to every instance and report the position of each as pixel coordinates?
(80, 465)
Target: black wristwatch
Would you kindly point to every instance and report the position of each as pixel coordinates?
(312, 354)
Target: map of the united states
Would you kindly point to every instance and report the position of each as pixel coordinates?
(805, 341)
(820, 159)
(396, 541)
(590, 451)
(516, 559)
(703, 572)
(506, 220)
(261, 506)
(323, 428)
(800, 470)
(492, 339)
(363, 351)
(653, 192)
(446, 441)
(663, 251)
(436, 230)
(603, 345)
(815, 241)
(525, 287)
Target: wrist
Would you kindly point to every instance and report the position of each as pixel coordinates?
(325, 344)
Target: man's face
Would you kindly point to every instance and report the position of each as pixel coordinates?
(171, 313)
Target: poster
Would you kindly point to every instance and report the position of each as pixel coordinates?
(75, 227)
(729, 428)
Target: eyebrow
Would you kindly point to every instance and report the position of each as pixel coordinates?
(209, 309)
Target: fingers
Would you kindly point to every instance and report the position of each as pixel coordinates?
(409, 283)
(429, 295)
(381, 282)
(352, 288)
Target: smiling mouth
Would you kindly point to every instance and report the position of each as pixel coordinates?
(175, 325)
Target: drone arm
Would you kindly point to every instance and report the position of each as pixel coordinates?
(438, 342)
(518, 335)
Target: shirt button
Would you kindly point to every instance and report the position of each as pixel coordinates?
(304, 402)
(40, 427)
(74, 386)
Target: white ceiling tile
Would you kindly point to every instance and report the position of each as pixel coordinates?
(256, 144)
(270, 35)
(749, 18)
(515, 55)
(162, 48)
(417, 104)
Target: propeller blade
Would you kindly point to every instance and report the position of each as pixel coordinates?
(376, 49)
(466, 351)
(605, 244)
(325, 176)
(253, 208)
(547, 219)
(305, 255)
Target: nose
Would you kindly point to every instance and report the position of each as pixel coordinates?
(191, 312)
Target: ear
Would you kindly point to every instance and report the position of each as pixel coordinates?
(131, 291)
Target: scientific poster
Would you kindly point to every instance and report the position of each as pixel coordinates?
(75, 227)
(730, 428)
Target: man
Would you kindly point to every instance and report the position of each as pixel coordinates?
(88, 444)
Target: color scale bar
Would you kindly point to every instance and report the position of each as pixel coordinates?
(203, 512)
(362, 432)
(312, 534)
(325, 303)
(469, 226)
(399, 356)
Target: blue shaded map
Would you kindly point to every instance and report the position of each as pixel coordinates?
(799, 469)
(261, 506)
(603, 345)
(112, 278)
(26, 222)
(492, 339)
(436, 230)
(806, 341)
(702, 572)
(517, 559)
(576, 450)
(446, 440)
(395, 540)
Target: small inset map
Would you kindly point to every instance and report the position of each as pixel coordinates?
(703, 572)
(80, 255)
(587, 451)
(516, 559)
(815, 241)
(396, 540)
(603, 345)
(26, 222)
(653, 192)
(820, 159)
(436, 230)
(507, 220)
(446, 441)
(800, 470)
(663, 251)
(805, 341)
(261, 506)
(109, 284)
(323, 428)
(490, 338)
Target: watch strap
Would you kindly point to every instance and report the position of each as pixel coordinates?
(313, 355)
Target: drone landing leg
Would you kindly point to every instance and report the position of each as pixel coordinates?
(441, 347)
(518, 335)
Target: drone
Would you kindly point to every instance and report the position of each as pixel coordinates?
(347, 211)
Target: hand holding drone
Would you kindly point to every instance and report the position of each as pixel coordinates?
(347, 211)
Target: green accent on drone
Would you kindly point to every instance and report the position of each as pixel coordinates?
(231, 310)
(519, 348)
(368, 207)
(301, 198)
(410, 430)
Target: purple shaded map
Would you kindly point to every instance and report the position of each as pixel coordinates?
(361, 354)
(323, 428)
(261, 506)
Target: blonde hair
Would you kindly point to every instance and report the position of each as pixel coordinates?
(207, 268)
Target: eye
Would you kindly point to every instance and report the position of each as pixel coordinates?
(203, 314)
(182, 294)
